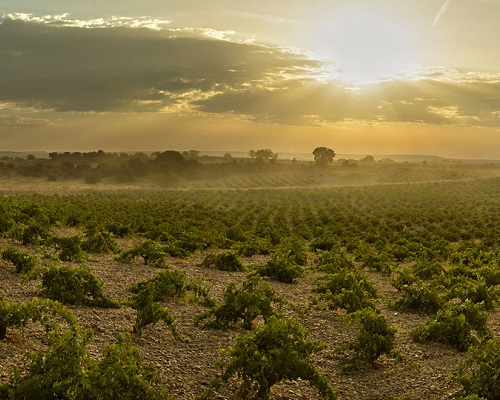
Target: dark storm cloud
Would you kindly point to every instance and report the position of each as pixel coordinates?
(121, 66)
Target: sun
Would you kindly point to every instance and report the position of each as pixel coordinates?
(367, 45)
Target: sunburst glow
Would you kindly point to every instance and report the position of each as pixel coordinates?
(366, 46)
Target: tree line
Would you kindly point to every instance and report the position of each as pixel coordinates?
(168, 166)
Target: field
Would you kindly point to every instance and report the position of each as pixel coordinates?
(423, 239)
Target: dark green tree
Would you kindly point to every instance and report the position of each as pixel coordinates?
(323, 156)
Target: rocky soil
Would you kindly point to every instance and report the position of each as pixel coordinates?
(187, 368)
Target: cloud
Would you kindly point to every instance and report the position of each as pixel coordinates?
(113, 22)
(475, 102)
(14, 121)
(53, 63)
(74, 68)
(289, 103)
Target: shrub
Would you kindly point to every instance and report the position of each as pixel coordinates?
(66, 371)
(201, 292)
(149, 294)
(69, 248)
(8, 316)
(171, 247)
(32, 233)
(375, 337)
(379, 262)
(350, 290)
(120, 374)
(295, 248)
(99, 241)
(6, 221)
(254, 245)
(479, 373)
(119, 229)
(277, 351)
(426, 269)
(165, 283)
(478, 291)
(227, 261)
(420, 298)
(400, 252)
(150, 311)
(403, 277)
(254, 298)
(19, 314)
(324, 242)
(281, 267)
(456, 325)
(151, 252)
(191, 241)
(491, 274)
(236, 234)
(23, 262)
(333, 261)
(75, 286)
(56, 373)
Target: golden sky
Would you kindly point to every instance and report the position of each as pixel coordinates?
(362, 77)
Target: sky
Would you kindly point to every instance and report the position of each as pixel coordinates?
(358, 76)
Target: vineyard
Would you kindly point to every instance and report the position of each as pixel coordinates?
(276, 285)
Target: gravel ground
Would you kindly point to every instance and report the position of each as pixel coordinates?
(187, 368)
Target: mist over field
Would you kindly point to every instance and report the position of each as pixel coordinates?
(97, 170)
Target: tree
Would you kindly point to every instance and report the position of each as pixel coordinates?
(323, 156)
(191, 153)
(265, 154)
(170, 157)
(368, 159)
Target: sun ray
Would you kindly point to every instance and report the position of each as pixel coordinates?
(368, 44)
